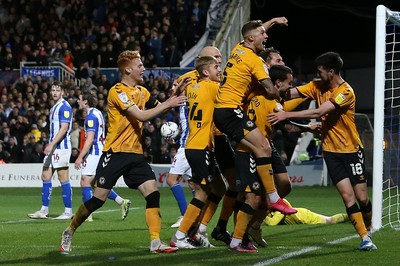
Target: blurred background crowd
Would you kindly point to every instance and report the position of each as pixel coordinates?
(86, 36)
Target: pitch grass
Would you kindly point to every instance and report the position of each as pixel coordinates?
(109, 240)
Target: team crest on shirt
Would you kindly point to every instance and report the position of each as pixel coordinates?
(66, 114)
(90, 123)
(266, 69)
(250, 123)
(124, 98)
(279, 106)
(340, 98)
(102, 180)
(255, 186)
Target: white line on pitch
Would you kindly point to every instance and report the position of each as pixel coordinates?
(96, 212)
(301, 252)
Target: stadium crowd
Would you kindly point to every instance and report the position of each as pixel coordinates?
(86, 36)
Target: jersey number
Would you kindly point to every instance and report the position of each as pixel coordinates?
(356, 168)
(226, 74)
(193, 115)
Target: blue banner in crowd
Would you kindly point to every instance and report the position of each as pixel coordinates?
(44, 72)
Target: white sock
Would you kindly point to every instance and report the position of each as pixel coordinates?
(273, 197)
(68, 210)
(179, 234)
(119, 200)
(202, 228)
(235, 242)
(45, 209)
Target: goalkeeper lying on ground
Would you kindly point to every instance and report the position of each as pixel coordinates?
(303, 216)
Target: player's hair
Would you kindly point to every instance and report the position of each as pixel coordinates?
(279, 72)
(90, 98)
(58, 83)
(266, 54)
(249, 26)
(204, 62)
(330, 60)
(125, 58)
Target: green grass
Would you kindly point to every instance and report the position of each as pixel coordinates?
(109, 240)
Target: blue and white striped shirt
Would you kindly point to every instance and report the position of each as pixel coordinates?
(95, 122)
(61, 112)
(183, 123)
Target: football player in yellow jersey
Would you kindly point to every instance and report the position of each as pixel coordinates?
(304, 216)
(224, 155)
(248, 181)
(341, 144)
(123, 154)
(243, 68)
(199, 145)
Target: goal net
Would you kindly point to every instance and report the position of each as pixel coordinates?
(386, 158)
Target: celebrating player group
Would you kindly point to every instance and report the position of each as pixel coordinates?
(239, 102)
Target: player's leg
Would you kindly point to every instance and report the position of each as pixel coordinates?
(123, 203)
(107, 174)
(341, 173)
(139, 175)
(365, 204)
(86, 190)
(179, 167)
(47, 188)
(225, 157)
(203, 173)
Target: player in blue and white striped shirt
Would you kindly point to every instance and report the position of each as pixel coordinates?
(58, 153)
(95, 131)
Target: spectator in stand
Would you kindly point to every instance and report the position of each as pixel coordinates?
(37, 155)
(26, 149)
(74, 155)
(75, 132)
(163, 156)
(13, 151)
(109, 56)
(35, 132)
(105, 82)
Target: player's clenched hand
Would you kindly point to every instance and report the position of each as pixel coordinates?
(276, 117)
(281, 21)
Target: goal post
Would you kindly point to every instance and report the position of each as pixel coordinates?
(386, 164)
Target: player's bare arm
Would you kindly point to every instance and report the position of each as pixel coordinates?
(278, 20)
(85, 149)
(280, 115)
(146, 115)
(271, 90)
(60, 135)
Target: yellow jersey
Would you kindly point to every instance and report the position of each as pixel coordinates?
(339, 132)
(201, 99)
(125, 134)
(243, 68)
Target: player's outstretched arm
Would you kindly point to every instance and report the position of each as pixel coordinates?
(146, 115)
(178, 88)
(280, 115)
(278, 20)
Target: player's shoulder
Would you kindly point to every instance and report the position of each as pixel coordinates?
(193, 75)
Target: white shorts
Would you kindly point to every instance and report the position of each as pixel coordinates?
(90, 164)
(59, 158)
(180, 165)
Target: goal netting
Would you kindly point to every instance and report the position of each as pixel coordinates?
(386, 158)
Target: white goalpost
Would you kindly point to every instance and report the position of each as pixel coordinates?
(386, 158)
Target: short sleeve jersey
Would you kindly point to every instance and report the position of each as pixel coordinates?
(125, 134)
(60, 113)
(201, 99)
(339, 132)
(257, 110)
(183, 110)
(243, 68)
(94, 122)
